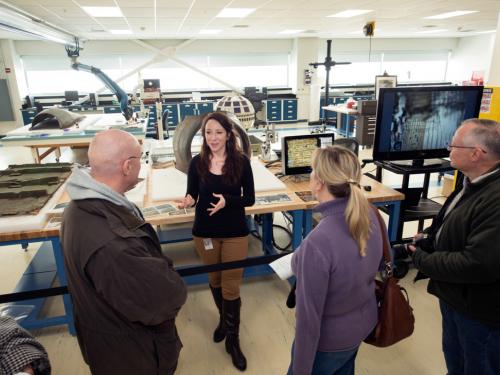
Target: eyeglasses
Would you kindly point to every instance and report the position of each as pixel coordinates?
(449, 147)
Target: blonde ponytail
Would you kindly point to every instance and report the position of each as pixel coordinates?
(357, 218)
(339, 168)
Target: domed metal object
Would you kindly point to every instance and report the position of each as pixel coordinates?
(240, 106)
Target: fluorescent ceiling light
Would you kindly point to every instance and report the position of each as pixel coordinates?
(292, 31)
(456, 13)
(209, 31)
(432, 31)
(487, 32)
(235, 12)
(121, 32)
(350, 13)
(99, 12)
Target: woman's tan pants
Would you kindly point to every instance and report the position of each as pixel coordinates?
(224, 250)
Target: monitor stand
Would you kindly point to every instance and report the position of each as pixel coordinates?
(418, 163)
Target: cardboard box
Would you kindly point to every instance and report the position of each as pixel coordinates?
(448, 182)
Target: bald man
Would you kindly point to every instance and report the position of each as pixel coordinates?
(461, 254)
(125, 292)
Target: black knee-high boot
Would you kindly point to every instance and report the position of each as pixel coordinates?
(220, 331)
(231, 314)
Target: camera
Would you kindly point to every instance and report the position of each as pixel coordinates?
(425, 243)
(400, 251)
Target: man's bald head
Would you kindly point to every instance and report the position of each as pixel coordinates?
(108, 151)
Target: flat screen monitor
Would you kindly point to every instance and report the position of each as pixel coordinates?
(417, 123)
(297, 150)
(151, 83)
(71, 96)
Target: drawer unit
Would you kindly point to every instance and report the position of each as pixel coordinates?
(280, 110)
(365, 129)
(331, 101)
(28, 115)
(290, 110)
(205, 107)
(273, 110)
(187, 109)
(173, 113)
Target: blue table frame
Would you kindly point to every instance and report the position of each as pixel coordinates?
(301, 226)
(40, 274)
(184, 234)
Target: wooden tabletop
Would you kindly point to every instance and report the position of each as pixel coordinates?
(378, 193)
(294, 204)
(341, 109)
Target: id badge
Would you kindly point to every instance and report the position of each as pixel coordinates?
(207, 243)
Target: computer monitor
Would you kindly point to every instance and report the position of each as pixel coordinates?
(297, 150)
(417, 123)
(151, 83)
(71, 96)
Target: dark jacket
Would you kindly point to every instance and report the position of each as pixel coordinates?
(125, 292)
(464, 266)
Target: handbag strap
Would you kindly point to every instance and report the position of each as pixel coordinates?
(386, 247)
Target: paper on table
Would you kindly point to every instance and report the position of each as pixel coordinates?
(283, 267)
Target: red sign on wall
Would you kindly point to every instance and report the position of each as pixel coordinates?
(7, 70)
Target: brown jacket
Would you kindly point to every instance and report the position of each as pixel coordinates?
(125, 292)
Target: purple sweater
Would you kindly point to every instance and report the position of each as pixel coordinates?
(336, 307)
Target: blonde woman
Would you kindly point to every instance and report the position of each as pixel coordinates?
(335, 268)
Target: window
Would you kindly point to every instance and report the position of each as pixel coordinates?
(411, 66)
(53, 75)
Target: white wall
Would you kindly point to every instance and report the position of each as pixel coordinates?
(15, 81)
(471, 54)
(493, 77)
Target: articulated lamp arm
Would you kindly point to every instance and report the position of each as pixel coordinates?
(127, 111)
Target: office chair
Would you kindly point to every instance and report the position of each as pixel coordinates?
(349, 143)
(164, 122)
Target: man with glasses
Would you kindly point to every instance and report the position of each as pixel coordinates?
(125, 292)
(460, 253)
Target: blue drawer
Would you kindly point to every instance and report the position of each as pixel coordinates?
(112, 109)
(187, 109)
(173, 113)
(273, 110)
(205, 108)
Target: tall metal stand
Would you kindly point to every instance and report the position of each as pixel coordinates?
(328, 64)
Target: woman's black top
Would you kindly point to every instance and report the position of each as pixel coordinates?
(230, 220)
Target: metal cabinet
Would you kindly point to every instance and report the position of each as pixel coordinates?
(28, 115)
(290, 110)
(331, 101)
(205, 107)
(280, 110)
(187, 109)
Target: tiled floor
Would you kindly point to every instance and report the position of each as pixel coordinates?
(267, 328)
